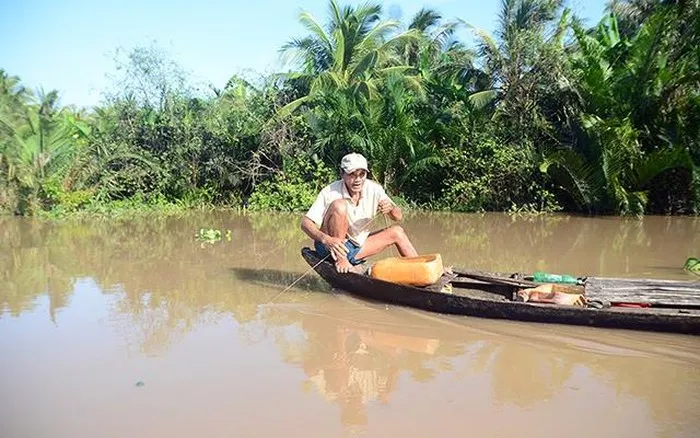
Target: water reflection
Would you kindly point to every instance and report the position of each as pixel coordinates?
(162, 285)
(164, 279)
(353, 357)
(28, 270)
(358, 356)
(653, 246)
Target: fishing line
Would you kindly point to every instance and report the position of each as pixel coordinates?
(393, 251)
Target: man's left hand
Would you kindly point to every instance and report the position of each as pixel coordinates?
(385, 206)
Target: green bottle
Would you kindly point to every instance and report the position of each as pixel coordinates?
(543, 277)
(692, 265)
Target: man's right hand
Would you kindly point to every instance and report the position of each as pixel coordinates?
(336, 246)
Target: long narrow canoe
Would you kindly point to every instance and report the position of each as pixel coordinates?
(674, 306)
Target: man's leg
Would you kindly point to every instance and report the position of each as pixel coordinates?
(335, 224)
(394, 235)
(335, 221)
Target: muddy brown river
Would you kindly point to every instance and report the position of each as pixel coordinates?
(134, 328)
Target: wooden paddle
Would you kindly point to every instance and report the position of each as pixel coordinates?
(493, 278)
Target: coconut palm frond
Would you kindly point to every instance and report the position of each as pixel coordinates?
(483, 98)
(425, 19)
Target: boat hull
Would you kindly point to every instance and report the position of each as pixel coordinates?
(474, 303)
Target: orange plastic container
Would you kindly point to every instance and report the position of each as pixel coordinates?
(419, 271)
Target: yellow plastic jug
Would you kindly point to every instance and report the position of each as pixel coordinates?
(422, 270)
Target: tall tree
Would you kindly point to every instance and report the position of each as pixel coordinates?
(351, 55)
(524, 61)
(639, 100)
(632, 13)
(344, 64)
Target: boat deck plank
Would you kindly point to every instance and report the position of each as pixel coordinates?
(664, 292)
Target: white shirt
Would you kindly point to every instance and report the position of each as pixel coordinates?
(359, 216)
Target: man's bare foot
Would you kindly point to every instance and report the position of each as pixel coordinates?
(343, 265)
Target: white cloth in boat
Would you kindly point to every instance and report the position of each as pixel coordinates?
(358, 215)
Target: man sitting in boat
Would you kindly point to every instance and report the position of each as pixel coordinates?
(339, 218)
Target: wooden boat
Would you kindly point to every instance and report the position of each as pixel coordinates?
(638, 304)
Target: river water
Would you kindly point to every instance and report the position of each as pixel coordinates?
(130, 328)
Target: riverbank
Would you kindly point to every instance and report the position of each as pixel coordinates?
(601, 122)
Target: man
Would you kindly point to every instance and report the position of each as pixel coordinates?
(345, 209)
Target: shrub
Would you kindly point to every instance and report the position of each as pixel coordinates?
(294, 188)
(486, 175)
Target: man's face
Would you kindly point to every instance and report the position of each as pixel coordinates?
(355, 180)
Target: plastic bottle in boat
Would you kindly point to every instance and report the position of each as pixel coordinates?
(544, 277)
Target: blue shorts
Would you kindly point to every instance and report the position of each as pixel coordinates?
(353, 249)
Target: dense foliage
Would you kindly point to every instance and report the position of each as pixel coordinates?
(544, 115)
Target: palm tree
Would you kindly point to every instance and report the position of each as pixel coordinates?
(632, 13)
(39, 145)
(47, 151)
(395, 140)
(524, 60)
(436, 45)
(345, 68)
(445, 65)
(352, 55)
(628, 88)
(13, 96)
(13, 99)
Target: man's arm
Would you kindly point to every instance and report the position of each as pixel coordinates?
(313, 231)
(396, 213)
(386, 206)
(311, 220)
(335, 244)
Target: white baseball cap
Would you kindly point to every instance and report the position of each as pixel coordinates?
(352, 162)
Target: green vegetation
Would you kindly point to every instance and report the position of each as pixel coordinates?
(212, 235)
(692, 265)
(544, 115)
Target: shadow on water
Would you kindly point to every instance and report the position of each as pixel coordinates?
(274, 278)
